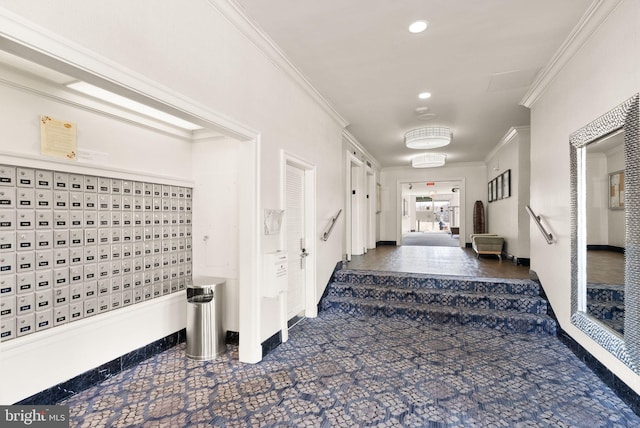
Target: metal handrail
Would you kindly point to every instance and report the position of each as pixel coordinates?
(327, 232)
(547, 236)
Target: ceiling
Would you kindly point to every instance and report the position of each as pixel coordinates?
(477, 58)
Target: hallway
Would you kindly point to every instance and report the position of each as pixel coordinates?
(431, 239)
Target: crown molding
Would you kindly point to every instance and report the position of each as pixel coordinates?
(234, 13)
(595, 15)
(351, 139)
(30, 41)
(508, 137)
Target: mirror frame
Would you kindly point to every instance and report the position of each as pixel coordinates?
(623, 117)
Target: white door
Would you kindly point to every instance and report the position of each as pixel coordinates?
(296, 245)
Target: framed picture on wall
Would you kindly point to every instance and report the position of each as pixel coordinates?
(494, 190)
(506, 184)
(498, 181)
(616, 190)
(489, 193)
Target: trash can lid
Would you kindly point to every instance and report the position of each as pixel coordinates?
(205, 281)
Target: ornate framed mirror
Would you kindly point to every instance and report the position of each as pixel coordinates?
(605, 231)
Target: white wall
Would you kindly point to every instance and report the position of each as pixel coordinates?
(216, 168)
(601, 75)
(597, 200)
(197, 52)
(508, 217)
(616, 220)
(474, 185)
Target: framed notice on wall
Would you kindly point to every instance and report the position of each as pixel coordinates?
(58, 138)
(616, 190)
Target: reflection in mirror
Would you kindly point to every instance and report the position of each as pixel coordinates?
(605, 224)
(605, 231)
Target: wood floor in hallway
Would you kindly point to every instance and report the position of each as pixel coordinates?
(437, 260)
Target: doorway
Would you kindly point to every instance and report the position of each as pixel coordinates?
(431, 213)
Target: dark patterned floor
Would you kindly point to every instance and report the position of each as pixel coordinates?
(343, 371)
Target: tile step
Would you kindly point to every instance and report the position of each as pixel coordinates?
(485, 318)
(439, 282)
(453, 298)
(602, 295)
(609, 311)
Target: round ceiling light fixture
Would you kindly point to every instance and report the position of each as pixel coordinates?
(429, 137)
(418, 26)
(427, 116)
(424, 95)
(428, 160)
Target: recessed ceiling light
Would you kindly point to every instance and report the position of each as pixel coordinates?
(418, 27)
(424, 95)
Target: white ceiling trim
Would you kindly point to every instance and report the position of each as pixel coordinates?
(231, 10)
(30, 41)
(595, 15)
(508, 137)
(348, 136)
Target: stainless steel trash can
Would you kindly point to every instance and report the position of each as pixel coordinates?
(205, 337)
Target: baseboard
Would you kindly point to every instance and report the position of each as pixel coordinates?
(271, 343)
(620, 388)
(520, 261)
(605, 248)
(381, 243)
(233, 338)
(92, 377)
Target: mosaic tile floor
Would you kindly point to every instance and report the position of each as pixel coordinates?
(343, 371)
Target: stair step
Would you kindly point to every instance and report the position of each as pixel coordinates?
(453, 298)
(439, 282)
(510, 305)
(606, 310)
(605, 292)
(615, 325)
(486, 318)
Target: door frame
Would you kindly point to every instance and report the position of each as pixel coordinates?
(371, 184)
(354, 222)
(287, 158)
(463, 204)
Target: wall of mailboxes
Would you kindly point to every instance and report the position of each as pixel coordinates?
(74, 246)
